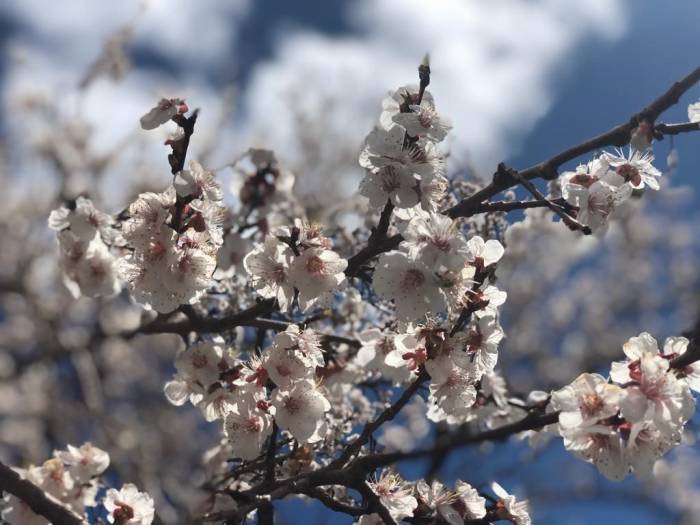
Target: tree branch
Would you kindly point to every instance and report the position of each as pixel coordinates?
(617, 136)
(385, 416)
(36, 499)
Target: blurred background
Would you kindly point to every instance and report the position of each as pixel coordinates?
(520, 79)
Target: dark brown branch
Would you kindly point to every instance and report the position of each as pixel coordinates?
(675, 129)
(334, 504)
(377, 243)
(617, 136)
(453, 441)
(36, 499)
(388, 414)
(179, 147)
(506, 206)
(548, 169)
(532, 421)
(374, 504)
(559, 209)
(356, 262)
(246, 317)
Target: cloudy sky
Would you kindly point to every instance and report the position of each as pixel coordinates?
(497, 67)
(520, 79)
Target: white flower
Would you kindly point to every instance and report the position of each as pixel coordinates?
(440, 500)
(180, 390)
(655, 393)
(206, 217)
(390, 183)
(641, 136)
(84, 462)
(694, 112)
(89, 269)
(166, 270)
(409, 351)
(200, 362)
(597, 202)
(189, 275)
(483, 337)
(315, 273)
(411, 285)
(635, 168)
(405, 96)
(645, 444)
(218, 401)
(599, 445)
(484, 254)
(452, 398)
(128, 506)
(509, 508)
(690, 374)
(197, 183)
(385, 149)
(247, 429)
(365, 519)
(306, 342)
(268, 266)
(395, 494)
(374, 352)
(285, 366)
(84, 220)
(435, 240)
(147, 215)
(474, 504)
(423, 121)
(163, 112)
(488, 294)
(52, 477)
(585, 176)
(584, 402)
(301, 409)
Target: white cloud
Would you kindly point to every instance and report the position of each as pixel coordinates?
(493, 64)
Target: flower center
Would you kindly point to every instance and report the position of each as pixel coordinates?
(199, 360)
(314, 265)
(635, 370)
(412, 278)
(292, 404)
(253, 425)
(390, 179)
(583, 179)
(474, 342)
(122, 514)
(591, 404)
(425, 117)
(630, 174)
(385, 345)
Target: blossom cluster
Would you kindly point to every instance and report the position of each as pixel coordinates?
(402, 160)
(626, 422)
(433, 501)
(164, 249)
(426, 311)
(280, 385)
(596, 188)
(297, 259)
(174, 237)
(84, 235)
(71, 477)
